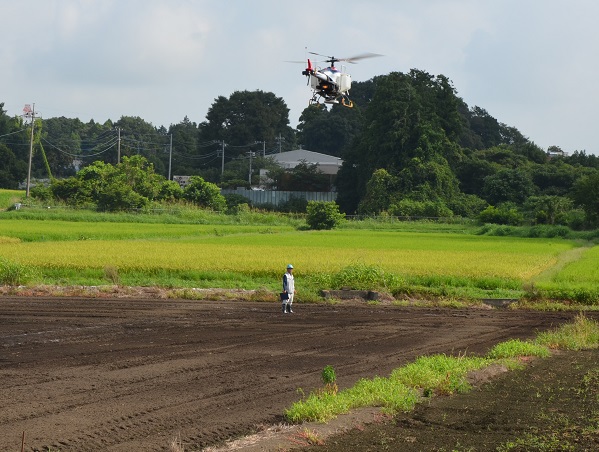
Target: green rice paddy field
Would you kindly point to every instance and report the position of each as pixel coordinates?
(406, 260)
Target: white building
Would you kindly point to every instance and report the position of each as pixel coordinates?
(328, 164)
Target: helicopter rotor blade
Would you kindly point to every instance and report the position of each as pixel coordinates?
(351, 60)
(362, 56)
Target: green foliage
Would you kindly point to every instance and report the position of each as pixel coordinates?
(131, 184)
(439, 373)
(504, 214)
(169, 191)
(582, 334)
(204, 194)
(381, 189)
(246, 117)
(323, 215)
(420, 209)
(328, 375)
(361, 276)
(294, 205)
(411, 116)
(322, 406)
(333, 129)
(468, 206)
(547, 209)
(586, 195)
(233, 200)
(12, 170)
(8, 198)
(13, 273)
(508, 185)
(304, 177)
(515, 348)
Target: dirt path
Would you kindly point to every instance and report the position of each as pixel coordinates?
(131, 375)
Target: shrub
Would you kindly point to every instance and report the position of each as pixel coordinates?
(204, 194)
(505, 214)
(323, 215)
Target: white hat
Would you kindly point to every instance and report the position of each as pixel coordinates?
(289, 266)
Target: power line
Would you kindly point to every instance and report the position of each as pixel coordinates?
(12, 133)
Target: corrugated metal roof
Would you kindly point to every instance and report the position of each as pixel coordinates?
(328, 164)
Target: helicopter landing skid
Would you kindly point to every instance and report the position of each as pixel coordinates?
(346, 102)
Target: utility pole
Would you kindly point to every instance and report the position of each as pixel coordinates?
(118, 146)
(170, 158)
(29, 112)
(222, 152)
(250, 174)
(280, 139)
(264, 149)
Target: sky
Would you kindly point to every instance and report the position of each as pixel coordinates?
(532, 64)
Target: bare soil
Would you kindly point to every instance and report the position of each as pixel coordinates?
(81, 374)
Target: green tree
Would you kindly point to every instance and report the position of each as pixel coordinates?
(139, 137)
(323, 215)
(411, 116)
(586, 194)
(548, 209)
(62, 140)
(138, 173)
(381, 190)
(508, 185)
(304, 177)
(329, 131)
(245, 118)
(189, 155)
(204, 194)
(555, 177)
(12, 170)
(504, 214)
(132, 184)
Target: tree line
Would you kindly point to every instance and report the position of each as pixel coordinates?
(411, 147)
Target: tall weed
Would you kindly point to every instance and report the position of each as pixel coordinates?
(13, 273)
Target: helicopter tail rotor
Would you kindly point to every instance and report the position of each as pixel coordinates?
(309, 70)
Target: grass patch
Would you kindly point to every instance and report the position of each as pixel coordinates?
(14, 273)
(8, 198)
(582, 334)
(515, 348)
(324, 406)
(439, 374)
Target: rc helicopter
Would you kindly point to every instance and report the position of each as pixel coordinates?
(330, 83)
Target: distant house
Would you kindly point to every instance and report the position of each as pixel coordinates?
(553, 154)
(555, 151)
(328, 164)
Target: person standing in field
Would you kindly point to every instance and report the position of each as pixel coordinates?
(289, 289)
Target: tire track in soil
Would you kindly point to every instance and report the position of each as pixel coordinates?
(117, 375)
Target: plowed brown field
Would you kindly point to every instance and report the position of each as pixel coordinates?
(131, 375)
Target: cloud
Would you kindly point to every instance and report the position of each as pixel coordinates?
(532, 65)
